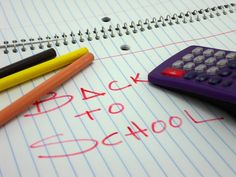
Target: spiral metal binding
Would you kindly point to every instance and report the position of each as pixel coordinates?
(118, 30)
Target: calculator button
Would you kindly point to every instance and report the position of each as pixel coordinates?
(227, 83)
(189, 66)
(200, 68)
(222, 63)
(214, 80)
(234, 76)
(225, 73)
(198, 59)
(232, 64)
(210, 61)
(208, 52)
(231, 56)
(174, 72)
(197, 51)
(187, 57)
(219, 54)
(190, 75)
(202, 78)
(212, 70)
(178, 64)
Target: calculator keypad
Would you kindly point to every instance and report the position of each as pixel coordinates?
(206, 65)
(208, 52)
(199, 70)
(202, 78)
(231, 56)
(173, 72)
(232, 64)
(197, 51)
(210, 61)
(187, 57)
(219, 54)
(222, 63)
(225, 73)
(199, 59)
(234, 76)
(178, 64)
(212, 70)
(189, 66)
(227, 83)
(214, 80)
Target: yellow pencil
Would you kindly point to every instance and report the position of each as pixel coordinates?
(43, 68)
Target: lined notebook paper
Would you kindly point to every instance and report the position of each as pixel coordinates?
(108, 120)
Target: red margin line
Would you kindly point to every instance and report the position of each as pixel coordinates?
(165, 45)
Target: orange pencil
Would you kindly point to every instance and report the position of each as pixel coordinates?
(28, 99)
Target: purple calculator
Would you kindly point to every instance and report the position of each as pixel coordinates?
(201, 71)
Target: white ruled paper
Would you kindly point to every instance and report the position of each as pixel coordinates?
(108, 120)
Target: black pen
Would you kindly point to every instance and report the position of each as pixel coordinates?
(27, 62)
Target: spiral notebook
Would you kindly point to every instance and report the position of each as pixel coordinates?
(108, 120)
